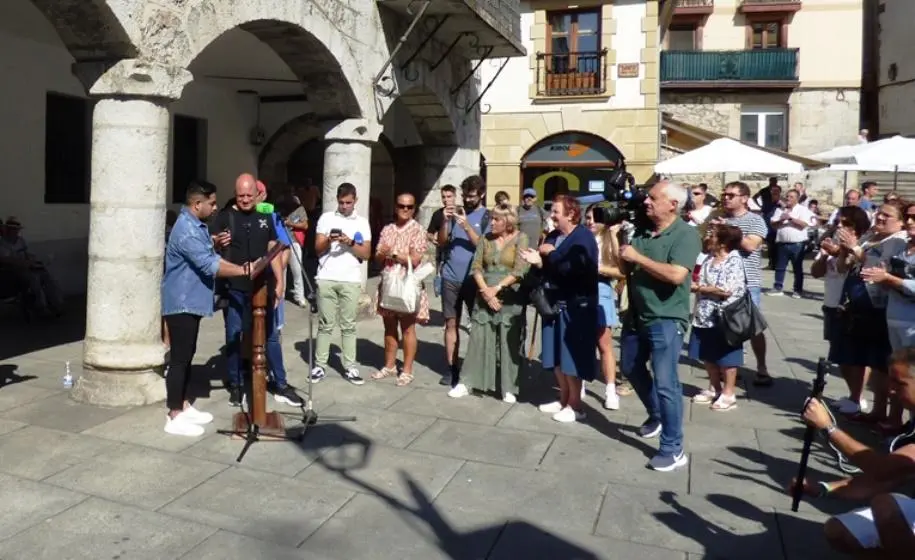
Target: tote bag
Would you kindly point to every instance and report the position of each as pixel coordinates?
(741, 320)
(400, 290)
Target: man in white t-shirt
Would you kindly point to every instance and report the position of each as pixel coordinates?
(343, 241)
(700, 210)
(791, 224)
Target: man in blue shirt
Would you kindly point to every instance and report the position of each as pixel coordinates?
(458, 236)
(191, 268)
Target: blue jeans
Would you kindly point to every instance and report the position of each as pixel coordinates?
(793, 253)
(659, 390)
(238, 315)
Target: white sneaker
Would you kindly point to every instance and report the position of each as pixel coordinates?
(583, 392)
(550, 408)
(179, 426)
(612, 400)
(509, 398)
(194, 416)
(568, 414)
(458, 391)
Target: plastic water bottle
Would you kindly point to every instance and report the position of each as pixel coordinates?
(68, 378)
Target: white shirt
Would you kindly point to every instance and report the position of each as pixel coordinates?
(698, 217)
(339, 264)
(789, 233)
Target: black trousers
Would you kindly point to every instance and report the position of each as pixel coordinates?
(182, 331)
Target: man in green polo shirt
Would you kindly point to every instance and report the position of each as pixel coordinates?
(658, 265)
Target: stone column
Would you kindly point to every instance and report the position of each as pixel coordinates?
(123, 353)
(348, 159)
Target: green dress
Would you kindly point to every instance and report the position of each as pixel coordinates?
(493, 359)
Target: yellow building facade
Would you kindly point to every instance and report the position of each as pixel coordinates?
(581, 104)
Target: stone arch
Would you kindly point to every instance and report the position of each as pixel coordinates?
(276, 152)
(89, 29)
(430, 114)
(315, 48)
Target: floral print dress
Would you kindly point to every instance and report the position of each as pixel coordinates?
(728, 275)
(404, 240)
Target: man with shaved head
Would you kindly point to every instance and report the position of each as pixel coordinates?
(251, 236)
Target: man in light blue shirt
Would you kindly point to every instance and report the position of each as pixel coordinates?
(191, 268)
(462, 228)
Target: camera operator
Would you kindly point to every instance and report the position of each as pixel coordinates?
(886, 529)
(658, 265)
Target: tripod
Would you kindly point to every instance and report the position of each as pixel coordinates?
(309, 416)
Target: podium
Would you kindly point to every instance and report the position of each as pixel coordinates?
(256, 424)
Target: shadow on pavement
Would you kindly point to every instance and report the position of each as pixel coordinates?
(8, 375)
(18, 337)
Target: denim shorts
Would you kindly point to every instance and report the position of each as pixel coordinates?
(606, 306)
(755, 295)
(708, 345)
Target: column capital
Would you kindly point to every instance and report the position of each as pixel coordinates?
(132, 78)
(353, 130)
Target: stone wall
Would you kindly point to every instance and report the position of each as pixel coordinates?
(818, 119)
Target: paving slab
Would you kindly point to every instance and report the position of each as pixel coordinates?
(381, 469)
(499, 446)
(223, 545)
(27, 503)
(101, 529)
(385, 427)
(524, 540)
(7, 426)
(60, 412)
(472, 408)
(598, 424)
(374, 394)
(19, 394)
(287, 458)
(37, 453)
(261, 505)
(137, 476)
(142, 426)
(716, 525)
(513, 492)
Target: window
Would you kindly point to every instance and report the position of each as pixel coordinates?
(682, 38)
(766, 35)
(67, 149)
(574, 63)
(764, 127)
(189, 154)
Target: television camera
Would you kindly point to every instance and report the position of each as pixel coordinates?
(621, 201)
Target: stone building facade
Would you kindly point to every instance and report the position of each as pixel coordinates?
(238, 85)
(590, 79)
(764, 73)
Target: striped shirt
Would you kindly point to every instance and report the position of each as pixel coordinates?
(751, 224)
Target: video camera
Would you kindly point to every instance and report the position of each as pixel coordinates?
(621, 201)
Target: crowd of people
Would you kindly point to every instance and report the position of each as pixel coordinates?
(659, 284)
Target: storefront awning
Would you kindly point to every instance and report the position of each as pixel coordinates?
(685, 137)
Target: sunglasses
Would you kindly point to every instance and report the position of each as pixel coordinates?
(910, 217)
(698, 193)
(405, 207)
(729, 195)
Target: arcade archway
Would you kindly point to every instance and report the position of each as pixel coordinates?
(569, 162)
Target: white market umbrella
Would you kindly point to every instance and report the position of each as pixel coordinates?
(726, 155)
(840, 154)
(896, 152)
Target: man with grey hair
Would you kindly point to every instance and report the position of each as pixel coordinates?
(658, 265)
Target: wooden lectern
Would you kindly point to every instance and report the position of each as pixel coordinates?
(256, 423)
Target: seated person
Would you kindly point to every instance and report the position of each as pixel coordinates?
(886, 529)
(30, 274)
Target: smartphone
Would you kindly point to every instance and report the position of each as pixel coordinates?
(459, 210)
(336, 232)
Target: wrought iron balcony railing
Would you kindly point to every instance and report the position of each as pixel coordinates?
(571, 74)
(769, 5)
(757, 67)
(694, 4)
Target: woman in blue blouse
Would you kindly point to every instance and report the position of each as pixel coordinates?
(568, 258)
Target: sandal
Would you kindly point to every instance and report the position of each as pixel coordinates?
(763, 380)
(624, 389)
(384, 372)
(404, 379)
(707, 396)
(723, 403)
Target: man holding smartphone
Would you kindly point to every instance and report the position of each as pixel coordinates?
(343, 241)
(458, 236)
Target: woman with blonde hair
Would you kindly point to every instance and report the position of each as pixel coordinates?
(608, 271)
(493, 359)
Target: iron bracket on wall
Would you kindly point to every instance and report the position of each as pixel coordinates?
(484, 55)
(380, 77)
(474, 40)
(436, 25)
(495, 77)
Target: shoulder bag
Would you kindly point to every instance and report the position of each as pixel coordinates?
(741, 320)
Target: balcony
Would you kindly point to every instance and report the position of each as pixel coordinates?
(571, 74)
(693, 7)
(772, 6)
(493, 23)
(758, 68)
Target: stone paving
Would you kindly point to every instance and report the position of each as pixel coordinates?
(417, 475)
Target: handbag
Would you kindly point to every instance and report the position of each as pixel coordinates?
(542, 304)
(741, 320)
(400, 291)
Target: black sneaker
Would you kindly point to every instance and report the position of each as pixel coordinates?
(352, 375)
(235, 395)
(287, 395)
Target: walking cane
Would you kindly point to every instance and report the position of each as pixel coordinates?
(530, 349)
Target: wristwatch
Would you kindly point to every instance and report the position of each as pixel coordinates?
(825, 489)
(829, 430)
